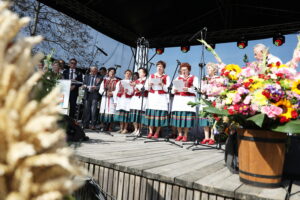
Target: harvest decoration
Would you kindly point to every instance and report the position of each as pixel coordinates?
(260, 96)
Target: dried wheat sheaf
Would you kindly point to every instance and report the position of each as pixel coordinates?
(35, 163)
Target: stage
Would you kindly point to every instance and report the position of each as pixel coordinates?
(131, 169)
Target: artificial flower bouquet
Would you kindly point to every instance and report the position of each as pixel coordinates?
(259, 96)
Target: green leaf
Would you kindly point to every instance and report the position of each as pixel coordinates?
(290, 127)
(208, 103)
(257, 119)
(214, 110)
(190, 103)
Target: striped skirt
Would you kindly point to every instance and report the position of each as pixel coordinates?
(183, 119)
(106, 118)
(205, 122)
(157, 118)
(121, 116)
(137, 116)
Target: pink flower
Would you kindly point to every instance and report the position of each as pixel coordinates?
(289, 73)
(271, 111)
(247, 72)
(254, 107)
(242, 90)
(237, 98)
(221, 66)
(247, 100)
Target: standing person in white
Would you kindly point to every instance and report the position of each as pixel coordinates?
(122, 98)
(157, 110)
(183, 115)
(139, 101)
(107, 108)
(258, 51)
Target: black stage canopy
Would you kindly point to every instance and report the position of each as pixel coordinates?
(168, 23)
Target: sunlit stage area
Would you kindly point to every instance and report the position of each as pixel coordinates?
(130, 168)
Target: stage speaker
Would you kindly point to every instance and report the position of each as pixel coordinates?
(74, 132)
(292, 159)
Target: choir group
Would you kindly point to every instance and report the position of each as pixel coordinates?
(150, 101)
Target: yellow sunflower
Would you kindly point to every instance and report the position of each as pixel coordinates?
(234, 71)
(287, 108)
(296, 86)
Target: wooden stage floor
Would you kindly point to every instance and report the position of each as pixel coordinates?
(132, 169)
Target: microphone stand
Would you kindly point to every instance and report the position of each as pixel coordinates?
(167, 138)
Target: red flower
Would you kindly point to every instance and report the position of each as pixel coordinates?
(236, 107)
(250, 80)
(225, 107)
(281, 75)
(278, 63)
(230, 111)
(216, 117)
(214, 104)
(284, 120)
(269, 65)
(261, 75)
(267, 77)
(226, 73)
(266, 93)
(247, 84)
(294, 114)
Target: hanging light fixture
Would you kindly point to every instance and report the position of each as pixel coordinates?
(242, 44)
(278, 40)
(185, 49)
(159, 51)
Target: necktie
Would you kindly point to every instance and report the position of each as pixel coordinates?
(72, 73)
(93, 80)
(91, 83)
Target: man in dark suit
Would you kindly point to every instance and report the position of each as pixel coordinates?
(91, 84)
(75, 75)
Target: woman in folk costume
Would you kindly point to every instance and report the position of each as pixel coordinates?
(139, 101)
(157, 109)
(183, 115)
(122, 98)
(107, 108)
(209, 87)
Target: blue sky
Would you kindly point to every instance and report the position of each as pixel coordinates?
(228, 52)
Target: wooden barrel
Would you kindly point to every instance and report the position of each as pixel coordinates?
(261, 157)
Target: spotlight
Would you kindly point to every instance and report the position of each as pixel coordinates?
(212, 46)
(278, 40)
(159, 51)
(185, 49)
(242, 44)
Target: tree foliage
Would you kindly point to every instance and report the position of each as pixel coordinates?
(69, 37)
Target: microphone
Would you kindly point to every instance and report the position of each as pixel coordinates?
(101, 50)
(178, 62)
(196, 34)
